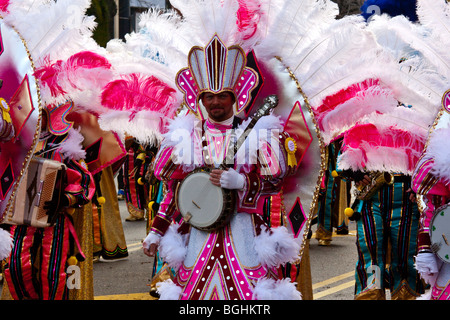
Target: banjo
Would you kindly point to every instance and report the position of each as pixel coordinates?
(440, 233)
(204, 205)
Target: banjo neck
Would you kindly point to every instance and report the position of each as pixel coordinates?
(270, 102)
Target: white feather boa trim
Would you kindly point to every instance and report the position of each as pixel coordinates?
(265, 289)
(72, 147)
(439, 149)
(6, 243)
(270, 289)
(276, 247)
(168, 290)
(172, 247)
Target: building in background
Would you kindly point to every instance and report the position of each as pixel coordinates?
(116, 18)
(128, 14)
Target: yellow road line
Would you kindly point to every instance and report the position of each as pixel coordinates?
(332, 280)
(334, 289)
(129, 296)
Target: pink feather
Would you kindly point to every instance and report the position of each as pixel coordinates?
(366, 137)
(86, 67)
(82, 66)
(331, 102)
(136, 92)
(48, 75)
(4, 5)
(249, 17)
(88, 60)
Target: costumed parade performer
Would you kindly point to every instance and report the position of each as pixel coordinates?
(431, 178)
(333, 199)
(64, 73)
(215, 254)
(383, 150)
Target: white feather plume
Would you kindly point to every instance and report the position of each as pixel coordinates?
(53, 28)
(72, 148)
(204, 18)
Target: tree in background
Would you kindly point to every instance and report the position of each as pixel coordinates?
(347, 7)
(104, 12)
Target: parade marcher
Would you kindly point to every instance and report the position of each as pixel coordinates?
(211, 254)
(383, 150)
(333, 199)
(135, 187)
(304, 73)
(37, 268)
(431, 180)
(432, 173)
(109, 237)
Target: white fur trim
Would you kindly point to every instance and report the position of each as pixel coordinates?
(168, 290)
(277, 247)
(6, 243)
(184, 134)
(439, 149)
(269, 289)
(181, 136)
(425, 296)
(173, 247)
(72, 147)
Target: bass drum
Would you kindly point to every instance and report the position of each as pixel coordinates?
(203, 205)
(440, 233)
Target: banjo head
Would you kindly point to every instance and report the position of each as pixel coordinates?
(440, 233)
(199, 201)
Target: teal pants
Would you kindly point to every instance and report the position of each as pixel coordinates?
(387, 242)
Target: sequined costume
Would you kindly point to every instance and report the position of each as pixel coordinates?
(37, 266)
(221, 264)
(431, 181)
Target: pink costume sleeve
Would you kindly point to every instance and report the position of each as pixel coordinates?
(80, 186)
(436, 193)
(169, 173)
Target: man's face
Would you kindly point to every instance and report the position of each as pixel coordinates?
(219, 106)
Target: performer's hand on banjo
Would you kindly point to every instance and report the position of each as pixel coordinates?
(227, 179)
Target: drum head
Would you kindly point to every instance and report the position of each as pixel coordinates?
(200, 199)
(440, 233)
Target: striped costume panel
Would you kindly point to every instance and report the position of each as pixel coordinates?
(387, 238)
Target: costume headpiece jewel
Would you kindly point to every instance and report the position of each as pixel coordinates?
(216, 68)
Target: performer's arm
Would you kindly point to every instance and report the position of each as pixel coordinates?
(80, 187)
